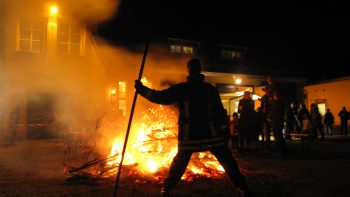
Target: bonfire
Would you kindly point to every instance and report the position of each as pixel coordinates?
(150, 151)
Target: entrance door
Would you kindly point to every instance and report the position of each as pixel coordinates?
(230, 96)
(40, 116)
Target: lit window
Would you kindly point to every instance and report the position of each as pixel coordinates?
(122, 89)
(230, 54)
(187, 50)
(181, 49)
(175, 48)
(70, 39)
(30, 35)
(122, 97)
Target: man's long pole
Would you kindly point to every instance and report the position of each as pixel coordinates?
(130, 120)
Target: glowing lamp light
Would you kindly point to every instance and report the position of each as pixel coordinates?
(256, 97)
(238, 81)
(113, 90)
(53, 10)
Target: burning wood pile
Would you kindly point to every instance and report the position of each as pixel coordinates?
(150, 150)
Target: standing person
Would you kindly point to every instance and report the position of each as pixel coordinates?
(316, 122)
(276, 118)
(296, 124)
(289, 126)
(344, 117)
(265, 107)
(202, 122)
(304, 119)
(266, 101)
(328, 122)
(234, 132)
(246, 120)
(260, 124)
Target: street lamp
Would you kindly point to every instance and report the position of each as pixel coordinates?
(238, 81)
(53, 9)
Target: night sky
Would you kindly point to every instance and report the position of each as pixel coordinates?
(288, 39)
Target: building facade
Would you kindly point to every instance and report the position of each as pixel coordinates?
(53, 69)
(49, 66)
(330, 94)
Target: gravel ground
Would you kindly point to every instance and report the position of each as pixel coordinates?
(34, 168)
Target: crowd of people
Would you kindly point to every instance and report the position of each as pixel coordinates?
(252, 124)
(281, 119)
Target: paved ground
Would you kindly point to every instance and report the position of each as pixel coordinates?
(34, 168)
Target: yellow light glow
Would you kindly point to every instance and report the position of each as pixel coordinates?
(53, 10)
(114, 90)
(256, 97)
(238, 81)
(153, 146)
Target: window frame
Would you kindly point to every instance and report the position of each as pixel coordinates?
(230, 54)
(31, 31)
(70, 35)
(182, 49)
(122, 95)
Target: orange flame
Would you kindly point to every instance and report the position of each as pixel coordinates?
(155, 146)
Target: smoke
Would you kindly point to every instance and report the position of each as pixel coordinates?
(86, 10)
(161, 71)
(71, 90)
(27, 78)
(91, 11)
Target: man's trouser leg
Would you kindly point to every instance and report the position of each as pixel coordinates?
(277, 132)
(346, 128)
(228, 162)
(267, 132)
(177, 169)
(342, 127)
(321, 129)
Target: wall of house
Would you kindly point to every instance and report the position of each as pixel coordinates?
(77, 83)
(334, 94)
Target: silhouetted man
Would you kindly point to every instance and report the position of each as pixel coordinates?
(276, 118)
(246, 120)
(202, 125)
(344, 117)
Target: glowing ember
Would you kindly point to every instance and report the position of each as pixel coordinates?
(155, 145)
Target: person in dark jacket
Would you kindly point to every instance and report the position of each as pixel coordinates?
(288, 117)
(276, 118)
(202, 125)
(316, 122)
(344, 117)
(265, 107)
(328, 122)
(296, 123)
(246, 120)
(304, 119)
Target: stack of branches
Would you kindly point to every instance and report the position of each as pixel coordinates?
(105, 166)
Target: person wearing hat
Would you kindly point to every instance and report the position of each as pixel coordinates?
(202, 125)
